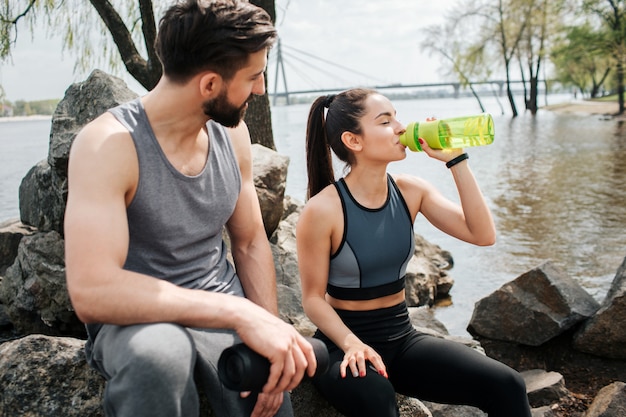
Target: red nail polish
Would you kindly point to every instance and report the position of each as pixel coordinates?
(362, 373)
(421, 141)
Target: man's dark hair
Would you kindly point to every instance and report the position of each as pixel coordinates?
(217, 35)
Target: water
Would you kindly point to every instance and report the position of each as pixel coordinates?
(555, 184)
(22, 144)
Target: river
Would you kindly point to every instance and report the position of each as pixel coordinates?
(555, 183)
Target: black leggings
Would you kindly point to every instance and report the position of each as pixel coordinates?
(420, 366)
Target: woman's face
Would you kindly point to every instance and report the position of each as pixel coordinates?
(381, 130)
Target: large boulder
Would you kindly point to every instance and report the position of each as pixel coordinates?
(427, 277)
(270, 176)
(43, 191)
(34, 290)
(11, 233)
(48, 376)
(42, 203)
(604, 334)
(534, 308)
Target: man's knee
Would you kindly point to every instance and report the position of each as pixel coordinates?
(160, 349)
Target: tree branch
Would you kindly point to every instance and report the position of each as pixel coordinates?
(136, 65)
(149, 31)
(19, 16)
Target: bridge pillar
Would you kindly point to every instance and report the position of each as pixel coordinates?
(457, 89)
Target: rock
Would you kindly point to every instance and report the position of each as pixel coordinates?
(48, 376)
(290, 310)
(82, 103)
(11, 233)
(533, 308)
(283, 244)
(542, 412)
(584, 373)
(270, 176)
(424, 318)
(34, 291)
(42, 204)
(610, 402)
(544, 388)
(426, 275)
(451, 410)
(604, 334)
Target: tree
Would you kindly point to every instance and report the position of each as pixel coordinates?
(132, 27)
(613, 14)
(445, 41)
(494, 26)
(582, 58)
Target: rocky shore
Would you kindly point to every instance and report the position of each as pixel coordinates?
(570, 349)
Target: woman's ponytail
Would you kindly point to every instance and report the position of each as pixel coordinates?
(324, 131)
(318, 157)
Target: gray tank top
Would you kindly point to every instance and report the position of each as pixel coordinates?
(376, 247)
(176, 221)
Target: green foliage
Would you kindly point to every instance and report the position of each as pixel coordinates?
(31, 108)
(84, 33)
(583, 58)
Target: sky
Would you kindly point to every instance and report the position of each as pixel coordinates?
(378, 40)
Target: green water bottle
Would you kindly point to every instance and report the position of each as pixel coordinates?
(456, 132)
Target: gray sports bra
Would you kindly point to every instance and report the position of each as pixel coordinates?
(376, 247)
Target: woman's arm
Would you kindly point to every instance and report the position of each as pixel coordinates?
(470, 221)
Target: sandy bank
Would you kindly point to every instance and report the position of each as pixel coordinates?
(585, 107)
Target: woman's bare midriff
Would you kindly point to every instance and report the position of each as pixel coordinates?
(363, 305)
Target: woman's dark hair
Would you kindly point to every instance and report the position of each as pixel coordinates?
(217, 35)
(324, 131)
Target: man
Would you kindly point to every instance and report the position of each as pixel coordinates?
(152, 183)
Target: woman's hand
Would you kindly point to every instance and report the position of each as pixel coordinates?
(355, 359)
(444, 155)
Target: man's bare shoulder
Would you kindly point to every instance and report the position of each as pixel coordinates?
(101, 129)
(104, 138)
(104, 149)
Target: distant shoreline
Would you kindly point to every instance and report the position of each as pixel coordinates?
(25, 118)
(589, 107)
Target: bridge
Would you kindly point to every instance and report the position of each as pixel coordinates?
(282, 56)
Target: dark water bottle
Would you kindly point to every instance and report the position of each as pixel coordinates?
(456, 132)
(242, 369)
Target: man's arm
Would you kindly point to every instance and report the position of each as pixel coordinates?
(249, 243)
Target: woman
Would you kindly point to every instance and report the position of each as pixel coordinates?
(355, 239)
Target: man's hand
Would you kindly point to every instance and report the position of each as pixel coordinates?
(289, 353)
(267, 405)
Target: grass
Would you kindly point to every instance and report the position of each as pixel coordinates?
(610, 98)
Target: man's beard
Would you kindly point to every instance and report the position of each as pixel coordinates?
(223, 112)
